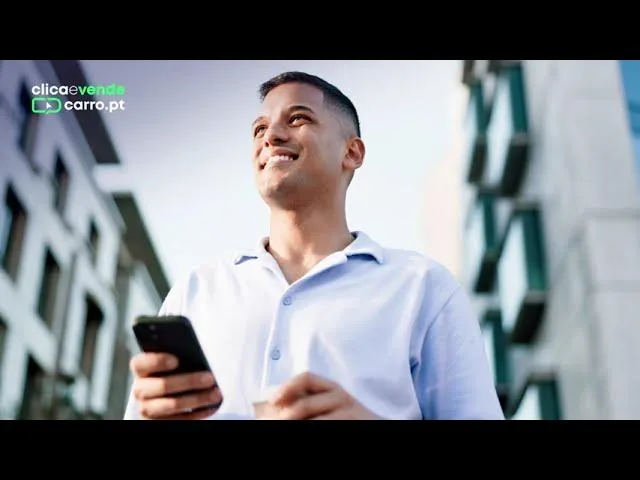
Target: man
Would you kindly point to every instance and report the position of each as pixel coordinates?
(338, 326)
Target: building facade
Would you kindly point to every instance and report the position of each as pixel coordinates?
(77, 263)
(552, 232)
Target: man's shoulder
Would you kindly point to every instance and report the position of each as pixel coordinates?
(197, 281)
(434, 282)
(420, 264)
(208, 270)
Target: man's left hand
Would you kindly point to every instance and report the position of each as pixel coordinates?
(311, 397)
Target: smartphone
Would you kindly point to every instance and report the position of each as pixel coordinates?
(172, 334)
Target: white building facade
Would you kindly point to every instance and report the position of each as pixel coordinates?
(62, 238)
(552, 233)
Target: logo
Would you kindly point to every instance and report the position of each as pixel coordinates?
(45, 101)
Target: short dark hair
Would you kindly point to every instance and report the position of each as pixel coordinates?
(332, 95)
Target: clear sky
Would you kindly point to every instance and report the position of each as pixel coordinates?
(185, 143)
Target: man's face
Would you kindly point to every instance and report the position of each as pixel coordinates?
(299, 146)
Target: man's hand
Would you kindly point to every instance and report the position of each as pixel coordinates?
(165, 398)
(310, 397)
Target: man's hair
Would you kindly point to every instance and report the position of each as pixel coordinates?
(332, 96)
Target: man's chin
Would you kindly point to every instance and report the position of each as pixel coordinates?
(281, 193)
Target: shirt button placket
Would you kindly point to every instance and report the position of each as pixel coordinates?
(275, 354)
(275, 351)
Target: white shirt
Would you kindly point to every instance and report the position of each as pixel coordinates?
(392, 327)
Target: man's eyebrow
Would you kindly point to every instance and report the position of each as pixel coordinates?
(292, 108)
(300, 107)
(257, 120)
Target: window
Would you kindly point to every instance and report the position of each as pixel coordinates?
(522, 275)
(120, 379)
(28, 122)
(507, 133)
(60, 183)
(496, 348)
(3, 340)
(94, 241)
(93, 322)
(13, 224)
(631, 83)
(539, 401)
(49, 289)
(33, 398)
(481, 250)
(475, 129)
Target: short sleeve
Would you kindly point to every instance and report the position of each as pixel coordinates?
(452, 377)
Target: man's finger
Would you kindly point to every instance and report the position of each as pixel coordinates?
(198, 414)
(313, 405)
(300, 386)
(146, 364)
(170, 406)
(153, 387)
(336, 415)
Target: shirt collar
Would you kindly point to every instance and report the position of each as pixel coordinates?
(362, 245)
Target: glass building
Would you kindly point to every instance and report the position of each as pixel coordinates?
(551, 234)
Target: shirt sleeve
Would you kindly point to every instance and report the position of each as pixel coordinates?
(453, 378)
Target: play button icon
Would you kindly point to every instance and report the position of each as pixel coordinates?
(45, 106)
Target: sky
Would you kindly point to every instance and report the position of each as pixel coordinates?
(185, 144)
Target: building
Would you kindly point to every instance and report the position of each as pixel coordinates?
(77, 262)
(552, 232)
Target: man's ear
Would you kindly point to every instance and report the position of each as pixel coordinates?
(355, 154)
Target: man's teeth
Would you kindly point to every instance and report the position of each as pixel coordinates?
(279, 159)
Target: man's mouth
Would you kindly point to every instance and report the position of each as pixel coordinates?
(278, 160)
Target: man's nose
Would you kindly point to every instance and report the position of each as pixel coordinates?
(275, 134)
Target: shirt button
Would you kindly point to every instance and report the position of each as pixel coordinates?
(286, 300)
(275, 354)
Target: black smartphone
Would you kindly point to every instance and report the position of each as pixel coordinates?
(172, 334)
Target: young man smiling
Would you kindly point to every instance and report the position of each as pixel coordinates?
(339, 326)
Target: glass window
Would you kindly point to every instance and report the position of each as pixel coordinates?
(522, 276)
(496, 349)
(529, 408)
(6, 222)
(481, 250)
(507, 133)
(60, 181)
(539, 401)
(3, 337)
(631, 83)
(475, 132)
(13, 220)
(28, 122)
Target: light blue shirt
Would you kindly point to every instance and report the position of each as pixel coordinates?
(392, 327)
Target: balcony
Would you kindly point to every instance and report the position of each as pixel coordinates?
(507, 133)
(482, 247)
(522, 275)
(475, 128)
(496, 347)
(538, 400)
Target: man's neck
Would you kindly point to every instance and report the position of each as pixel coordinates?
(298, 240)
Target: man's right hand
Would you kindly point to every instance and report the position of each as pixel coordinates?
(165, 397)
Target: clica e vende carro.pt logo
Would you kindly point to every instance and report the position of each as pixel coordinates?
(49, 99)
